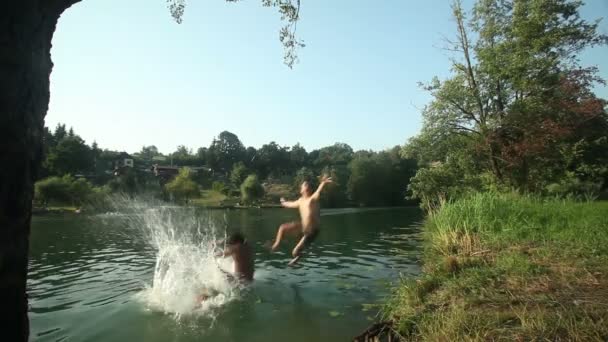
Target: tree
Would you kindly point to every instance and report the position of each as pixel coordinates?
(25, 68)
(379, 178)
(71, 155)
(238, 174)
(516, 100)
(336, 154)
(225, 151)
(148, 152)
(202, 155)
(251, 189)
(125, 182)
(334, 195)
(271, 159)
(304, 175)
(80, 191)
(60, 132)
(183, 156)
(298, 157)
(182, 187)
(250, 157)
(401, 170)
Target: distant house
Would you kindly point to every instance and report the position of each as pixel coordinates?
(165, 173)
(122, 164)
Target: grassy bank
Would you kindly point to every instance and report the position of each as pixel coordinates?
(507, 267)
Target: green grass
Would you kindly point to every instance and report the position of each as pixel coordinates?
(56, 207)
(509, 267)
(210, 198)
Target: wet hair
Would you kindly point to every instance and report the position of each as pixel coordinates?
(236, 238)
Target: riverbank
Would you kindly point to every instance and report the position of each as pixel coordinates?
(55, 210)
(503, 266)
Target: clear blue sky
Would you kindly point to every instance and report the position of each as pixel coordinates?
(126, 75)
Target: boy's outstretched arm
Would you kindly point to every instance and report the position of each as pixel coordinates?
(324, 181)
(290, 204)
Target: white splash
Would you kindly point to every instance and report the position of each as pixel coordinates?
(186, 266)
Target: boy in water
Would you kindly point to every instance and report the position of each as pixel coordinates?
(310, 218)
(242, 254)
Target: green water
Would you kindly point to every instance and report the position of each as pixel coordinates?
(86, 272)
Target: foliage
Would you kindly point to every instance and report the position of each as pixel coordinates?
(304, 175)
(225, 151)
(271, 160)
(210, 198)
(274, 192)
(336, 154)
(70, 155)
(182, 187)
(183, 156)
(220, 187)
(298, 157)
(378, 179)
(53, 189)
(251, 189)
(518, 107)
(290, 14)
(63, 190)
(366, 176)
(335, 194)
(226, 160)
(238, 174)
(126, 182)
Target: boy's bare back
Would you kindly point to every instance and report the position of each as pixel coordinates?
(243, 261)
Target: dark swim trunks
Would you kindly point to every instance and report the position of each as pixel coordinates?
(312, 236)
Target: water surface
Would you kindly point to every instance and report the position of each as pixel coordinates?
(91, 277)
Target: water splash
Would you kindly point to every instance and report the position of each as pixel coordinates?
(185, 243)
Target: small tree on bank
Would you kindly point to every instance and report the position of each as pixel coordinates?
(238, 174)
(182, 187)
(63, 190)
(251, 189)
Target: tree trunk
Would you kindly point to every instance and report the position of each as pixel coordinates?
(494, 162)
(26, 30)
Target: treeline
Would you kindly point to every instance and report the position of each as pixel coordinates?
(518, 111)
(361, 178)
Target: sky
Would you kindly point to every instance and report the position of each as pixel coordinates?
(126, 75)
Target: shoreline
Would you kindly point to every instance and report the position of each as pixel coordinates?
(505, 266)
(61, 210)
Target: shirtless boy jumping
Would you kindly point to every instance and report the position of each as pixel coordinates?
(310, 217)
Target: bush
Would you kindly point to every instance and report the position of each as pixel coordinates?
(220, 187)
(53, 189)
(273, 192)
(238, 174)
(63, 190)
(183, 187)
(251, 189)
(572, 186)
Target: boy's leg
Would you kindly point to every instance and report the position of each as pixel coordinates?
(291, 227)
(300, 246)
(306, 240)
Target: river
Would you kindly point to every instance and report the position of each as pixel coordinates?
(133, 275)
